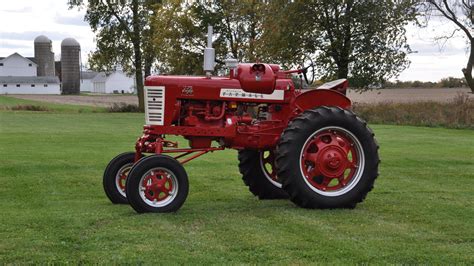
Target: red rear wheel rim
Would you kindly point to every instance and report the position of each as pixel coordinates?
(267, 163)
(331, 161)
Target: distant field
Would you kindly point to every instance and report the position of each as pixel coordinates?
(89, 100)
(407, 95)
(375, 96)
(53, 209)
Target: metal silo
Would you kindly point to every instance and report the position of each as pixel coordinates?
(44, 57)
(70, 66)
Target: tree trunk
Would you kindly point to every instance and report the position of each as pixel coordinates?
(136, 41)
(147, 67)
(343, 70)
(468, 70)
(139, 76)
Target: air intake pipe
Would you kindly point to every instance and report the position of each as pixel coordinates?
(209, 54)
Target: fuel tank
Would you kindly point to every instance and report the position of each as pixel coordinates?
(258, 78)
(253, 78)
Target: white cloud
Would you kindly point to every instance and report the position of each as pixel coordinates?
(76, 20)
(23, 20)
(19, 10)
(434, 59)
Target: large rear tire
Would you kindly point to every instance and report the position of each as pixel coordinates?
(157, 183)
(327, 158)
(259, 174)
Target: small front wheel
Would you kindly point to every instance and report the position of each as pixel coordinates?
(115, 176)
(157, 183)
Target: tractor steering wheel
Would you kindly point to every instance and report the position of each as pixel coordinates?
(304, 71)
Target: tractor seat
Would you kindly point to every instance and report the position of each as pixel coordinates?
(332, 84)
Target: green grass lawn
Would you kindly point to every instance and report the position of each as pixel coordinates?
(53, 208)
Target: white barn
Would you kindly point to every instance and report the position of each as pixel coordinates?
(18, 75)
(115, 82)
(29, 85)
(17, 65)
(86, 81)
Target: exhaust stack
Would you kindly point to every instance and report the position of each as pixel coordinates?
(209, 54)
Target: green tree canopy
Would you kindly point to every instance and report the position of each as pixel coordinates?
(123, 32)
(244, 30)
(362, 40)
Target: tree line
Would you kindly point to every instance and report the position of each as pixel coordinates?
(449, 82)
(362, 40)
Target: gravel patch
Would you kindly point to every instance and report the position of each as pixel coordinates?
(91, 100)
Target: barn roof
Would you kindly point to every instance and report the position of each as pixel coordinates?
(29, 58)
(11, 79)
(100, 77)
(17, 54)
(32, 59)
(88, 74)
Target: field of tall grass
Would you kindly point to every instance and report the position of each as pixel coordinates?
(457, 113)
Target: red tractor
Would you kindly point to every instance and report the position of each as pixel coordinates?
(302, 144)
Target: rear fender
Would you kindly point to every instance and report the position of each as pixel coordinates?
(321, 97)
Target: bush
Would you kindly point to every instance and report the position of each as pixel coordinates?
(449, 82)
(457, 113)
(123, 108)
(35, 108)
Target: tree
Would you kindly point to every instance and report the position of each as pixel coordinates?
(123, 30)
(360, 40)
(460, 13)
(244, 30)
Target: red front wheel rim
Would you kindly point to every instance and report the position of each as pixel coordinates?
(158, 187)
(332, 161)
(121, 178)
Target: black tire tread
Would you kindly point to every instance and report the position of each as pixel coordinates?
(255, 179)
(108, 180)
(141, 167)
(291, 134)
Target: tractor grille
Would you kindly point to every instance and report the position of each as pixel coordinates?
(155, 105)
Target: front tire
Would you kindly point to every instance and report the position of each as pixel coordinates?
(328, 158)
(157, 183)
(115, 176)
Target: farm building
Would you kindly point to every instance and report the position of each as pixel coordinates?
(17, 65)
(115, 82)
(29, 85)
(39, 74)
(86, 80)
(18, 75)
(42, 75)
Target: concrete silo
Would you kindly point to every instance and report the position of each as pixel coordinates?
(70, 66)
(44, 56)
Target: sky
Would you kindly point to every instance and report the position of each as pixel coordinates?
(23, 20)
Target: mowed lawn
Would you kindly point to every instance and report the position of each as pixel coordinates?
(53, 208)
